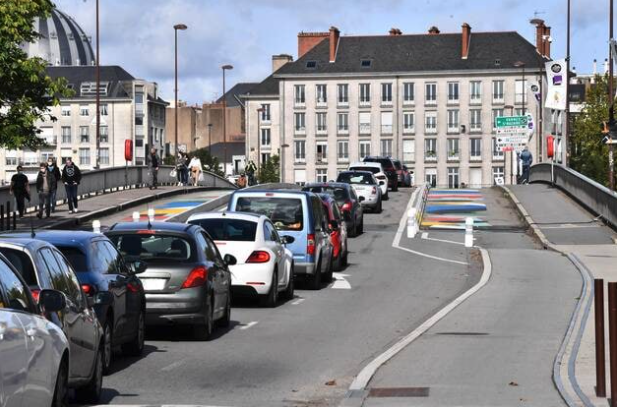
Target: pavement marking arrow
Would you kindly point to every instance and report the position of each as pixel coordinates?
(250, 324)
(298, 301)
(340, 283)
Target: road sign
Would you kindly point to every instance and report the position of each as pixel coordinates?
(511, 121)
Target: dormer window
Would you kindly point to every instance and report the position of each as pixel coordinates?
(365, 63)
(311, 64)
(497, 62)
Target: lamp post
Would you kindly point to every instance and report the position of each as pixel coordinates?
(521, 64)
(97, 160)
(259, 113)
(176, 28)
(225, 68)
(611, 107)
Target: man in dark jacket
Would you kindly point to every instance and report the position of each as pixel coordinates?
(20, 188)
(45, 183)
(71, 176)
(527, 160)
(55, 171)
(154, 169)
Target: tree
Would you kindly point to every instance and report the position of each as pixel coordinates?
(270, 170)
(26, 91)
(589, 155)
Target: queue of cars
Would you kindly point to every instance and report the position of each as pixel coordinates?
(71, 300)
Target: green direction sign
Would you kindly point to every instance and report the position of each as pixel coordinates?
(511, 121)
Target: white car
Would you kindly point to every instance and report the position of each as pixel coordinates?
(34, 352)
(264, 265)
(366, 187)
(377, 170)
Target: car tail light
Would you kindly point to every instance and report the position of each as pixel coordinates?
(197, 277)
(35, 294)
(146, 232)
(374, 192)
(259, 256)
(88, 289)
(346, 206)
(132, 287)
(310, 244)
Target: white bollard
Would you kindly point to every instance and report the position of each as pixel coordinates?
(136, 216)
(469, 232)
(96, 226)
(412, 225)
(151, 214)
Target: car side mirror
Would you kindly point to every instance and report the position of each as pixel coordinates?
(104, 298)
(287, 239)
(137, 266)
(361, 199)
(230, 260)
(52, 301)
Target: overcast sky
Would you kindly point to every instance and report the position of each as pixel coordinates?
(138, 34)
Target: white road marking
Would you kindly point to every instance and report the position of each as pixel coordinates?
(446, 241)
(158, 405)
(250, 324)
(172, 366)
(569, 226)
(340, 283)
(298, 301)
(424, 235)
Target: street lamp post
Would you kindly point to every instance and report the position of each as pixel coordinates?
(225, 68)
(611, 109)
(521, 65)
(97, 160)
(176, 28)
(259, 113)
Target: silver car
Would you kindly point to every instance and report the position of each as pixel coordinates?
(366, 186)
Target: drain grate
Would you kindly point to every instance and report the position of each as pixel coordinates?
(399, 392)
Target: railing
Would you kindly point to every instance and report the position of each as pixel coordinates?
(592, 195)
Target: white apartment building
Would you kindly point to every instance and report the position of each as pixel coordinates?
(429, 100)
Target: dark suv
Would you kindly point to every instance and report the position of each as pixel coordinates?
(347, 201)
(388, 167)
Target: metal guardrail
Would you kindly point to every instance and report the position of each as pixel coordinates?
(97, 182)
(595, 197)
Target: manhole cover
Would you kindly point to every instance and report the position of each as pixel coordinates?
(399, 392)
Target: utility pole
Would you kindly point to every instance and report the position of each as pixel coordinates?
(611, 100)
(97, 159)
(567, 129)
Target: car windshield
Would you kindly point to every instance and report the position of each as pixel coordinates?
(21, 261)
(338, 193)
(374, 170)
(355, 178)
(152, 247)
(76, 257)
(285, 213)
(236, 230)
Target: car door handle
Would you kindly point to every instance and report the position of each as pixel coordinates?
(30, 332)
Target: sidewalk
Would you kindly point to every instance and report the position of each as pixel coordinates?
(568, 228)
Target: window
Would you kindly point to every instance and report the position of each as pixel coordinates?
(453, 121)
(475, 91)
(497, 152)
(475, 149)
(408, 92)
(89, 88)
(386, 122)
(45, 156)
(83, 110)
(431, 94)
(299, 179)
(386, 93)
(475, 119)
(498, 175)
(300, 123)
(343, 151)
(365, 94)
(453, 149)
(518, 111)
(157, 248)
(321, 152)
(84, 134)
(453, 92)
(322, 94)
(265, 157)
(430, 149)
(365, 149)
(519, 95)
(104, 134)
(11, 160)
(343, 122)
(103, 109)
(104, 155)
(265, 113)
(452, 177)
(430, 177)
(311, 64)
(365, 122)
(299, 95)
(343, 94)
(66, 135)
(139, 97)
(365, 63)
(496, 113)
(322, 122)
(66, 110)
(409, 122)
(386, 147)
(265, 138)
(84, 156)
(322, 175)
(300, 151)
(498, 91)
(409, 151)
(103, 262)
(139, 121)
(139, 142)
(430, 122)
(270, 234)
(16, 292)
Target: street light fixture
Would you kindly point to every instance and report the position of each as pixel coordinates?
(225, 68)
(177, 27)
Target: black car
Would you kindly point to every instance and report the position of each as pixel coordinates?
(388, 167)
(43, 267)
(347, 200)
(101, 268)
(186, 280)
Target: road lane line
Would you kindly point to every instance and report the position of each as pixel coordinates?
(250, 324)
(298, 301)
(424, 235)
(340, 282)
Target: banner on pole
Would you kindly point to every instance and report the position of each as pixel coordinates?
(556, 95)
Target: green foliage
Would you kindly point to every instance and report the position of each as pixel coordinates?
(26, 91)
(209, 163)
(169, 160)
(589, 155)
(270, 170)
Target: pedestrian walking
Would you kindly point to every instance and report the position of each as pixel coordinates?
(20, 189)
(250, 171)
(44, 184)
(182, 169)
(527, 160)
(55, 171)
(241, 182)
(71, 176)
(196, 168)
(154, 169)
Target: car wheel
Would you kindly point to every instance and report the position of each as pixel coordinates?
(395, 187)
(386, 196)
(91, 392)
(361, 227)
(289, 291)
(107, 346)
(226, 320)
(203, 332)
(379, 208)
(328, 274)
(315, 282)
(136, 346)
(344, 261)
(354, 229)
(269, 300)
(61, 389)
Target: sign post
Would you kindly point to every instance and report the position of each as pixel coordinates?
(513, 134)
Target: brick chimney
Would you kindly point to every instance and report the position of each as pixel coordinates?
(433, 30)
(335, 34)
(395, 31)
(547, 43)
(307, 41)
(279, 60)
(465, 40)
(540, 32)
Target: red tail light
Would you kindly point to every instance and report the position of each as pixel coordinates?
(310, 245)
(88, 289)
(197, 277)
(258, 256)
(374, 190)
(346, 206)
(35, 294)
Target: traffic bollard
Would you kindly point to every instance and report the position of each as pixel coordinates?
(412, 228)
(612, 339)
(136, 216)
(96, 226)
(598, 293)
(151, 215)
(469, 232)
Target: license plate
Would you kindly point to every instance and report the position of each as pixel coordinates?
(153, 284)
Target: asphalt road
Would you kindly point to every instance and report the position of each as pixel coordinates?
(306, 351)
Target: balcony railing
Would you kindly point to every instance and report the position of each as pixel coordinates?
(386, 129)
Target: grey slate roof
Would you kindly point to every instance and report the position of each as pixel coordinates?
(269, 86)
(233, 94)
(75, 75)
